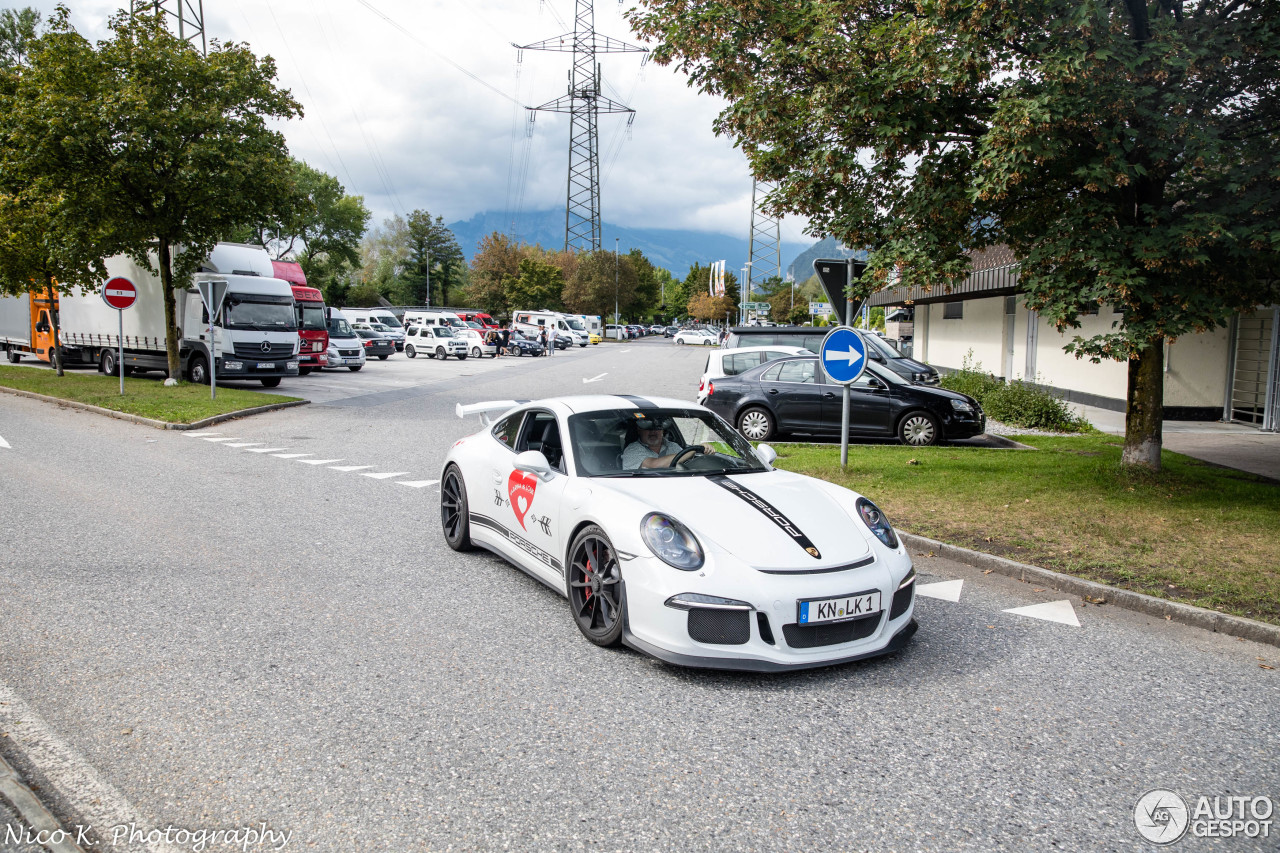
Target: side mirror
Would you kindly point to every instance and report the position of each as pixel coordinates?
(766, 454)
(874, 382)
(42, 327)
(875, 356)
(533, 462)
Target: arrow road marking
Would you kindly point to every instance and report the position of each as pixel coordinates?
(594, 378)
(946, 590)
(417, 484)
(1051, 611)
(852, 356)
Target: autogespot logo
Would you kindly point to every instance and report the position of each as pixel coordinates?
(1161, 816)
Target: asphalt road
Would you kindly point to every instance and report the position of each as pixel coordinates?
(204, 632)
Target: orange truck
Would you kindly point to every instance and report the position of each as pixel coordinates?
(26, 326)
(313, 329)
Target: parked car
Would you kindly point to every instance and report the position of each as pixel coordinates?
(375, 345)
(346, 348)
(474, 338)
(396, 335)
(714, 559)
(700, 337)
(520, 345)
(594, 337)
(810, 338)
(731, 362)
(434, 341)
(793, 395)
(670, 331)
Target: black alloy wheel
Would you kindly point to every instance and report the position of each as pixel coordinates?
(595, 587)
(453, 511)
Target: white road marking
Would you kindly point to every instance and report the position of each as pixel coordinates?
(200, 434)
(265, 449)
(244, 444)
(4, 443)
(1051, 611)
(294, 456)
(91, 796)
(383, 476)
(416, 484)
(318, 461)
(215, 440)
(594, 378)
(348, 467)
(945, 591)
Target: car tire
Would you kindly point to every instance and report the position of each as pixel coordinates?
(454, 518)
(679, 342)
(384, 357)
(475, 352)
(270, 382)
(354, 368)
(518, 352)
(919, 429)
(441, 354)
(198, 370)
(593, 580)
(304, 371)
(410, 351)
(756, 424)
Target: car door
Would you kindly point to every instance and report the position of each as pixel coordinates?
(870, 406)
(793, 392)
(532, 514)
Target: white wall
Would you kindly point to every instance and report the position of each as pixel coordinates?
(981, 330)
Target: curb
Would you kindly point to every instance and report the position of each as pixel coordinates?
(42, 822)
(1173, 611)
(151, 422)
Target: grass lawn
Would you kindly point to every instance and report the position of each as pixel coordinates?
(1196, 533)
(181, 404)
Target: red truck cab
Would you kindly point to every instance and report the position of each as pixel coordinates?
(313, 329)
(478, 317)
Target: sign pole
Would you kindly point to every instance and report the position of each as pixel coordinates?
(120, 361)
(213, 361)
(120, 293)
(843, 356)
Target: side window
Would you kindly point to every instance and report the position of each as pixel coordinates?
(797, 371)
(542, 433)
(771, 375)
(507, 429)
(738, 362)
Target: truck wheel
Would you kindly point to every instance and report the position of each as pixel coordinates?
(441, 354)
(270, 382)
(410, 351)
(14, 356)
(354, 368)
(108, 363)
(198, 370)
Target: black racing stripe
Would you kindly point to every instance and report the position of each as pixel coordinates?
(769, 511)
(639, 402)
(866, 561)
(517, 540)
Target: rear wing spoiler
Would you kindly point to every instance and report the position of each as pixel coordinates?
(486, 411)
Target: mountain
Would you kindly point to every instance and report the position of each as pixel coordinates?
(801, 269)
(672, 249)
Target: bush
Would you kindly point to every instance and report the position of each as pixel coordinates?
(1017, 403)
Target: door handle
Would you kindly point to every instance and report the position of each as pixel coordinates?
(773, 390)
(828, 396)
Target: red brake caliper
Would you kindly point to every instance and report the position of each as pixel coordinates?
(587, 578)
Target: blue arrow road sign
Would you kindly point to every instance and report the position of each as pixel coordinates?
(843, 355)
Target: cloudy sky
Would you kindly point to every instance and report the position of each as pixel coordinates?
(418, 104)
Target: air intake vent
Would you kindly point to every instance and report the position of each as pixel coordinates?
(812, 636)
(719, 627)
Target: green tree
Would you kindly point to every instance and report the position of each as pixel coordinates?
(648, 285)
(539, 285)
(601, 281)
(158, 149)
(1127, 152)
(384, 258)
(17, 30)
(435, 264)
(497, 258)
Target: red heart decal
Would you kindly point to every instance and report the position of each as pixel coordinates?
(520, 487)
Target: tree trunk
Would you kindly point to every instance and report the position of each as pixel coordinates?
(55, 356)
(170, 320)
(1144, 414)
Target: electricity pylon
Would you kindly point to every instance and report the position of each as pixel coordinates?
(763, 247)
(189, 16)
(583, 103)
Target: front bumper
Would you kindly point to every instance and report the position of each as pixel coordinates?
(246, 368)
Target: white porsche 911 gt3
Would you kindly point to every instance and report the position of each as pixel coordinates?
(668, 532)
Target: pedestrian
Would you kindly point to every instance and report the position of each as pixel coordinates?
(506, 341)
(551, 336)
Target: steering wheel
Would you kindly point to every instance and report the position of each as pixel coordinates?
(685, 455)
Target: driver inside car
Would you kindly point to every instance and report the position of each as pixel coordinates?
(652, 449)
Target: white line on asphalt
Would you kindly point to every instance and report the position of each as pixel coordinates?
(416, 484)
(200, 434)
(318, 461)
(244, 444)
(383, 476)
(4, 443)
(946, 590)
(348, 467)
(97, 801)
(215, 440)
(1051, 611)
(294, 456)
(266, 450)
(594, 378)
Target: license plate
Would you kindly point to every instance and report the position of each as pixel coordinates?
(266, 365)
(838, 609)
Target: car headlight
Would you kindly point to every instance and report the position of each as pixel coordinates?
(671, 542)
(962, 406)
(875, 520)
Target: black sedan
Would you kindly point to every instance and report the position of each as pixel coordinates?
(375, 345)
(793, 395)
(520, 345)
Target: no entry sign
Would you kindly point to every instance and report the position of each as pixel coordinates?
(119, 293)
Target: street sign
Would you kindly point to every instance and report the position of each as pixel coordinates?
(843, 355)
(119, 293)
(820, 308)
(212, 293)
(836, 276)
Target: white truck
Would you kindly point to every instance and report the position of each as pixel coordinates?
(255, 333)
(533, 322)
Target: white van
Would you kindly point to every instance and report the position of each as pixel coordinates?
(385, 316)
(536, 321)
(431, 317)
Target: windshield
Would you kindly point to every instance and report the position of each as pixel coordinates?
(378, 327)
(310, 316)
(602, 439)
(874, 342)
(369, 334)
(262, 313)
(576, 325)
(391, 321)
(472, 324)
(442, 331)
(456, 323)
(340, 328)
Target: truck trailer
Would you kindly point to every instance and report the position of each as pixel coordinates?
(255, 333)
